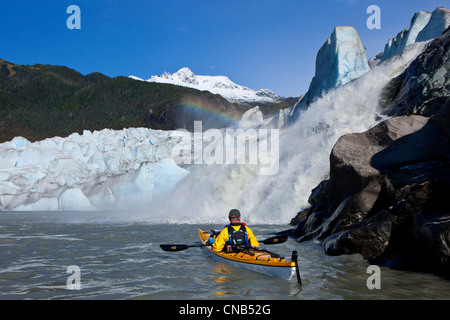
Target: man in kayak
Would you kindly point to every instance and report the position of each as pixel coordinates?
(235, 235)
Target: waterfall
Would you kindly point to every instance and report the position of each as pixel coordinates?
(208, 193)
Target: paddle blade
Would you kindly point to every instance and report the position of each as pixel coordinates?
(173, 247)
(275, 240)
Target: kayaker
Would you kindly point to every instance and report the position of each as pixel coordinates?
(241, 235)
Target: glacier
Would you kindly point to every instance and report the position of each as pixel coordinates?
(215, 84)
(135, 168)
(104, 169)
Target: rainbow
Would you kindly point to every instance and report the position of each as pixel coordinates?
(204, 110)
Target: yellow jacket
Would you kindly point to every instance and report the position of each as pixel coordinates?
(223, 237)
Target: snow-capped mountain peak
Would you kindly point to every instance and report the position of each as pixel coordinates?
(215, 84)
(185, 75)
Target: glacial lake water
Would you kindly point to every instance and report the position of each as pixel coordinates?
(120, 258)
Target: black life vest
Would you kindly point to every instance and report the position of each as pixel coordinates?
(239, 237)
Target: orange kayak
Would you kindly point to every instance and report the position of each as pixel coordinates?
(260, 261)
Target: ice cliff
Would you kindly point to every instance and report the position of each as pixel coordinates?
(96, 170)
(424, 26)
(341, 59)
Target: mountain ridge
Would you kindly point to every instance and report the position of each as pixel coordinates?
(221, 84)
(42, 101)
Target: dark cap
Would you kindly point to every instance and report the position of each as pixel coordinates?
(234, 213)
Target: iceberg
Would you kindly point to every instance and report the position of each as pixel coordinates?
(341, 59)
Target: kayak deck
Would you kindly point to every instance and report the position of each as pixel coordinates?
(260, 261)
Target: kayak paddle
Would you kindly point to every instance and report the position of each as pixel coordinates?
(181, 247)
(275, 240)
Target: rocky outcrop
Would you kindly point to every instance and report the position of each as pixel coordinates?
(387, 195)
(424, 87)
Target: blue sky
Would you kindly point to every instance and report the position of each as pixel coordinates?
(257, 43)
